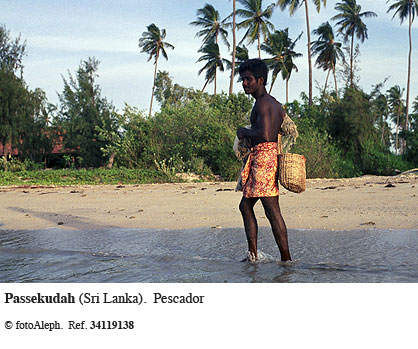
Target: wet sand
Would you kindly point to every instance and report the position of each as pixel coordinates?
(334, 204)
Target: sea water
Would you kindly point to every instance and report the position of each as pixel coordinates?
(206, 255)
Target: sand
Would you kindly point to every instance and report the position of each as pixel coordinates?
(369, 202)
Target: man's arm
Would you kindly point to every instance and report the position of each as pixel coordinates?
(261, 133)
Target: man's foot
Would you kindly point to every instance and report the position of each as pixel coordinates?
(251, 257)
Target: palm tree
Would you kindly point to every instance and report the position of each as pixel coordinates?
(152, 43)
(396, 105)
(234, 48)
(281, 47)
(256, 21)
(209, 19)
(351, 24)
(380, 109)
(289, 66)
(406, 8)
(213, 62)
(293, 6)
(327, 50)
(241, 56)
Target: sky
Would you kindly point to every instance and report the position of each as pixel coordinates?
(60, 34)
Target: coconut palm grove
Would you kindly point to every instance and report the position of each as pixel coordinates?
(343, 131)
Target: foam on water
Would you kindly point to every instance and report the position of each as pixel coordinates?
(206, 255)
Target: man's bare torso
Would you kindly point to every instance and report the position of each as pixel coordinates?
(268, 114)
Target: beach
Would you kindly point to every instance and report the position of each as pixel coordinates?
(366, 202)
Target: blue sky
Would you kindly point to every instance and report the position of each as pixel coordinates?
(59, 34)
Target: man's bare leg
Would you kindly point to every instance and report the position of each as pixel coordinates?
(278, 226)
(250, 224)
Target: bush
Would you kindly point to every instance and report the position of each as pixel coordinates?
(378, 161)
(411, 137)
(83, 176)
(16, 165)
(347, 165)
(131, 142)
(321, 156)
(198, 134)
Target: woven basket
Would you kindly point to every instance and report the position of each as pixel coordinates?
(292, 170)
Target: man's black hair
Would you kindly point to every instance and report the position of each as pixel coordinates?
(256, 67)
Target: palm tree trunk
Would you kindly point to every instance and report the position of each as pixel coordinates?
(351, 61)
(326, 80)
(272, 83)
(309, 51)
(153, 84)
(397, 128)
(216, 39)
(215, 84)
(383, 131)
(259, 45)
(335, 80)
(204, 86)
(234, 47)
(409, 70)
(287, 90)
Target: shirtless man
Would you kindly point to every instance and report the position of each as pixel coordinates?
(260, 172)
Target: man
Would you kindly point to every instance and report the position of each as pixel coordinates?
(259, 176)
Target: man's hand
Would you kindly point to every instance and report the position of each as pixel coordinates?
(240, 132)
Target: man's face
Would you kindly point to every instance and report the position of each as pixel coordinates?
(249, 82)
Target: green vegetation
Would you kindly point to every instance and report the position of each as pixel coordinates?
(328, 51)
(351, 25)
(343, 132)
(23, 113)
(93, 176)
(281, 48)
(195, 135)
(152, 43)
(256, 21)
(293, 5)
(83, 111)
(406, 9)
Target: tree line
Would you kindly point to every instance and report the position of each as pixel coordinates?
(350, 25)
(344, 131)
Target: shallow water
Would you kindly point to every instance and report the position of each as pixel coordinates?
(206, 255)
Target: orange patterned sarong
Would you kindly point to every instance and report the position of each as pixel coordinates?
(260, 175)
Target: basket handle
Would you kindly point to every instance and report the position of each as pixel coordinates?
(279, 144)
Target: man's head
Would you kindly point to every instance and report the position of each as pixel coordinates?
(256, 67)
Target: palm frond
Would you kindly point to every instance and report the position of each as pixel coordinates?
(152, 42)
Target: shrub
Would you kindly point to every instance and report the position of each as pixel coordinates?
(198, 134)
(16, 165)
(321, 155)
(83, 176)
(378, 161)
